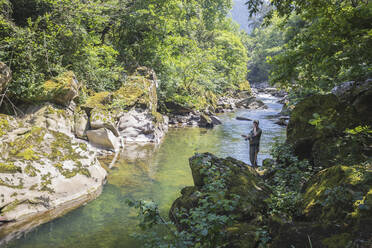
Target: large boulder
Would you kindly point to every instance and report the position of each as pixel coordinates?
(205, 121)
(51, 117)
(5, 76)
(359, 95)
(139, 90)
(240, 179)
(101, 118)
(340, 193)
(142, 126)
(333, 119)
(104, 138)
(43, 174)
(60, 90)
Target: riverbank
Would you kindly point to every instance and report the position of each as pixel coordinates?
(146, 172)
(49, 152)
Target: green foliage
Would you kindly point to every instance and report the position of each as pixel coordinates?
(262, 44)
(193, 47)
(58, 36)
(321, 122)
(288, 176)
(204, 225)
(326, 42)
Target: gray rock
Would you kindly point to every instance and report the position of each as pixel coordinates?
(80, 124)
(282, 122)
(51, 117)
(205, 121)
(140, 125)
(103, 119)
(104, 138)
(251, 103)
(241, 118)
(216, 120)
(50, 173)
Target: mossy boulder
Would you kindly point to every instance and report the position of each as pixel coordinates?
(42, 169)
(332, 151)
(101, 118)
(358, 94)
(60, 90)
(139, 90)
(5, 76)
(99, 100)
(50, 116)
(251, 103)
(242, 180)
(334, 118)
(339, 194)
(205, 121)
(7, 123)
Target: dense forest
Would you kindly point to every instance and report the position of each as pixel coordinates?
(191, 45)
(83, 81)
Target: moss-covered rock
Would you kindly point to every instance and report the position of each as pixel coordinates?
(205, 121)
(51, 117)
(328, 152)
(139, 90)
(338, 194)
(359, 95)
(60, 90)
(241, 180)
(37, 163)
(333, 119)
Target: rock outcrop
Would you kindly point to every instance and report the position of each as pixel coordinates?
(241, 180)
(130, 112)
(47, 167)
(42, 171)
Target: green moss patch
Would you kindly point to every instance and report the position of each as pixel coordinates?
(9, 168)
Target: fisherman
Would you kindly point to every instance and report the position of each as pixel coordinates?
(254, 142)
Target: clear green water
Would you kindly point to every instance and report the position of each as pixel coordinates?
(148, 173)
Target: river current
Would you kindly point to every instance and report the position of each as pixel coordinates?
(152, 174)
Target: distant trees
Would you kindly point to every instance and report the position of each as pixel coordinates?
(325, 42)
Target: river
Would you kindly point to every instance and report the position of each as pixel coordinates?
(149, 173)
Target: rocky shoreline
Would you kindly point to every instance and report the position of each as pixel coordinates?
(49, 162)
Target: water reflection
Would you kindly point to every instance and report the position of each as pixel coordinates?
(149, 173)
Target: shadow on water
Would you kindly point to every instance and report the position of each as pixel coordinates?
(149, 173)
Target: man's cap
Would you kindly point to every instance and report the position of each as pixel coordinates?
(257, 122)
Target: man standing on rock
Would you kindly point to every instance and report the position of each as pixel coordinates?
(254, 142)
